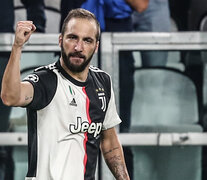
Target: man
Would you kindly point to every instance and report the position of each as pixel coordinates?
(71, 108)
(156, 18)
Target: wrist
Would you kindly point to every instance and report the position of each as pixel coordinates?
(17, 46)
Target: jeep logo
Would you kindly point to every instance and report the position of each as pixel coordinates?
(93, 128)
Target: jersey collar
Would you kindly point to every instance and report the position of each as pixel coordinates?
(70, 78)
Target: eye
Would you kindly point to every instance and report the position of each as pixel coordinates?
(88, 40)
(72, 37)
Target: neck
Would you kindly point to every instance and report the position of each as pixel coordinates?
(81, 76)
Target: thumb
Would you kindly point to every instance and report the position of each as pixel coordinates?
(33, 28)
(27, 34)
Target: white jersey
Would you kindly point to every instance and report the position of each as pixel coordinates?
(65, 121)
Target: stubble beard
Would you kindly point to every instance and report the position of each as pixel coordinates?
(73, 67)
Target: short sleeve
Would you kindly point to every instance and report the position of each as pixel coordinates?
(45, 84)
(112, 118)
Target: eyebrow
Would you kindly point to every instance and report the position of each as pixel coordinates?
(75, 35)
(71, 34)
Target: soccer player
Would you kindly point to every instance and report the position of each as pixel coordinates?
(70, 104)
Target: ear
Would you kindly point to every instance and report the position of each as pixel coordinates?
(60, 40)
(97, 46)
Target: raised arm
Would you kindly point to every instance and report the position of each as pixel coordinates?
(14, 92)
(113, 154)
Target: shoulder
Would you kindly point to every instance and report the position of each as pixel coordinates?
(101, 78)
(95, 71)
(43, 73)
(44, 81)
(49, 67)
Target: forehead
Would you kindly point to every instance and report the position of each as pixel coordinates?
(82, 27)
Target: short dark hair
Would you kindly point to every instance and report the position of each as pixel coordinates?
(84, 14)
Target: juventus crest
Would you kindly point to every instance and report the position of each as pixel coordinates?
(101, 96)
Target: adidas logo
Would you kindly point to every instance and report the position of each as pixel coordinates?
(73, 102)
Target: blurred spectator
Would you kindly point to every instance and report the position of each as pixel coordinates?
(118, 19)
(156, 18)
(35, 12)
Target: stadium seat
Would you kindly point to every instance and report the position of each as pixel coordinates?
(165, 100)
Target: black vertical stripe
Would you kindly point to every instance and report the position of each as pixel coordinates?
(97, 115)
(32, 143)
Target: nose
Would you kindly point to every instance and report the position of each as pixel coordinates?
(79, 46)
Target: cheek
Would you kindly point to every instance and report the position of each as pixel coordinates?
(91, 49)
(68, 47)
(91, 52)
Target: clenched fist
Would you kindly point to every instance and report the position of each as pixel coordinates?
(24, 29)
